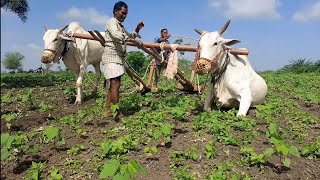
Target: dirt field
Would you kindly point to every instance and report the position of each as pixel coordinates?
(187, 132)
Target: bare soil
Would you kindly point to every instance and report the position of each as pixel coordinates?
(157, 166)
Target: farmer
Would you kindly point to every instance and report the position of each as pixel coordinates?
(164, 40)
(114, 53)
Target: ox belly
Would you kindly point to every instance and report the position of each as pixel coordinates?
(258, 88)
(227, 97)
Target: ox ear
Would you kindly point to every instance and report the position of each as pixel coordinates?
(230, 42)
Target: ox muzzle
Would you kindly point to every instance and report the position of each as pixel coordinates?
(48, 56)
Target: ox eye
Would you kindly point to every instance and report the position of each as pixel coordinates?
(55, 40)
(215, 43)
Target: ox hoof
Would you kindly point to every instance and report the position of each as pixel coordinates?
(94, 90)
(77, 102)
(207, 109)
(240, 114)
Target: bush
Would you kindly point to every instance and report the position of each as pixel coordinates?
(302, 66)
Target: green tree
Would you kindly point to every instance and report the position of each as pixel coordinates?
(136, 60)
(180, 42)
(19, 7)
(13, 60)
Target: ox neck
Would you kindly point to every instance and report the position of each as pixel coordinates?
(221, 66)
(65, 48)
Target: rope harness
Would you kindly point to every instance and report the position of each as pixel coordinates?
(55, 52)
(218, 74)
(203, 66)
(84, 69)
(162, 51)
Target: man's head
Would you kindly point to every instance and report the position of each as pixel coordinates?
(120, 11)
(164, 32)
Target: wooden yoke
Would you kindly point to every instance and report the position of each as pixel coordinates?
(157, 45)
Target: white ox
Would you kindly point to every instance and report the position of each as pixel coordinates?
(238, 86)
(76, 54)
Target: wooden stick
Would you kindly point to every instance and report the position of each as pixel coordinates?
(151, 73)
(192, 75)
(97, 38)
(132, 74)
(100, 35)
(166, 46)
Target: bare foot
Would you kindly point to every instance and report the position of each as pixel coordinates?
(108, 113)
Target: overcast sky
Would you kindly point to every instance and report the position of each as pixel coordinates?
(274, 31)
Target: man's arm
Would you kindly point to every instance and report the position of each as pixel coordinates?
(135, 33)
(164, 39)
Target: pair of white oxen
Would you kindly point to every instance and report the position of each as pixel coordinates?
(238, 84)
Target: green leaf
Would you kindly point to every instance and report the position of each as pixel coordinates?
(10, 117)
(294, 151)
(51, 132)
(35, 175)
(121, 176)
(114, 109)
(268, 152)
(273, 128)
(4, 138)
(133, 168)
(106, 147)
(234, 177)
(283, 148)
(146, 149)
(4, 154)
(123, 168)
(33, 148)
(286, 162)
(143, 170)
(109, 169)
(157, 134)
(166, 129)
(61, 142)
(154, 149)
(306, 150)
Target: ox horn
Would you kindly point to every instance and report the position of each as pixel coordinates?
(45, 27)
(224, 28)
(62, 29)
(199, 31)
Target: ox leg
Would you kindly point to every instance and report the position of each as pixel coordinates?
(79, 86)
(209, 98)
(245, 102)
(98, 76)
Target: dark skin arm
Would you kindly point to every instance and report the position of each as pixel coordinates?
(163, 39)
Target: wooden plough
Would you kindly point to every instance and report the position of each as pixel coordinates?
(186, 84)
